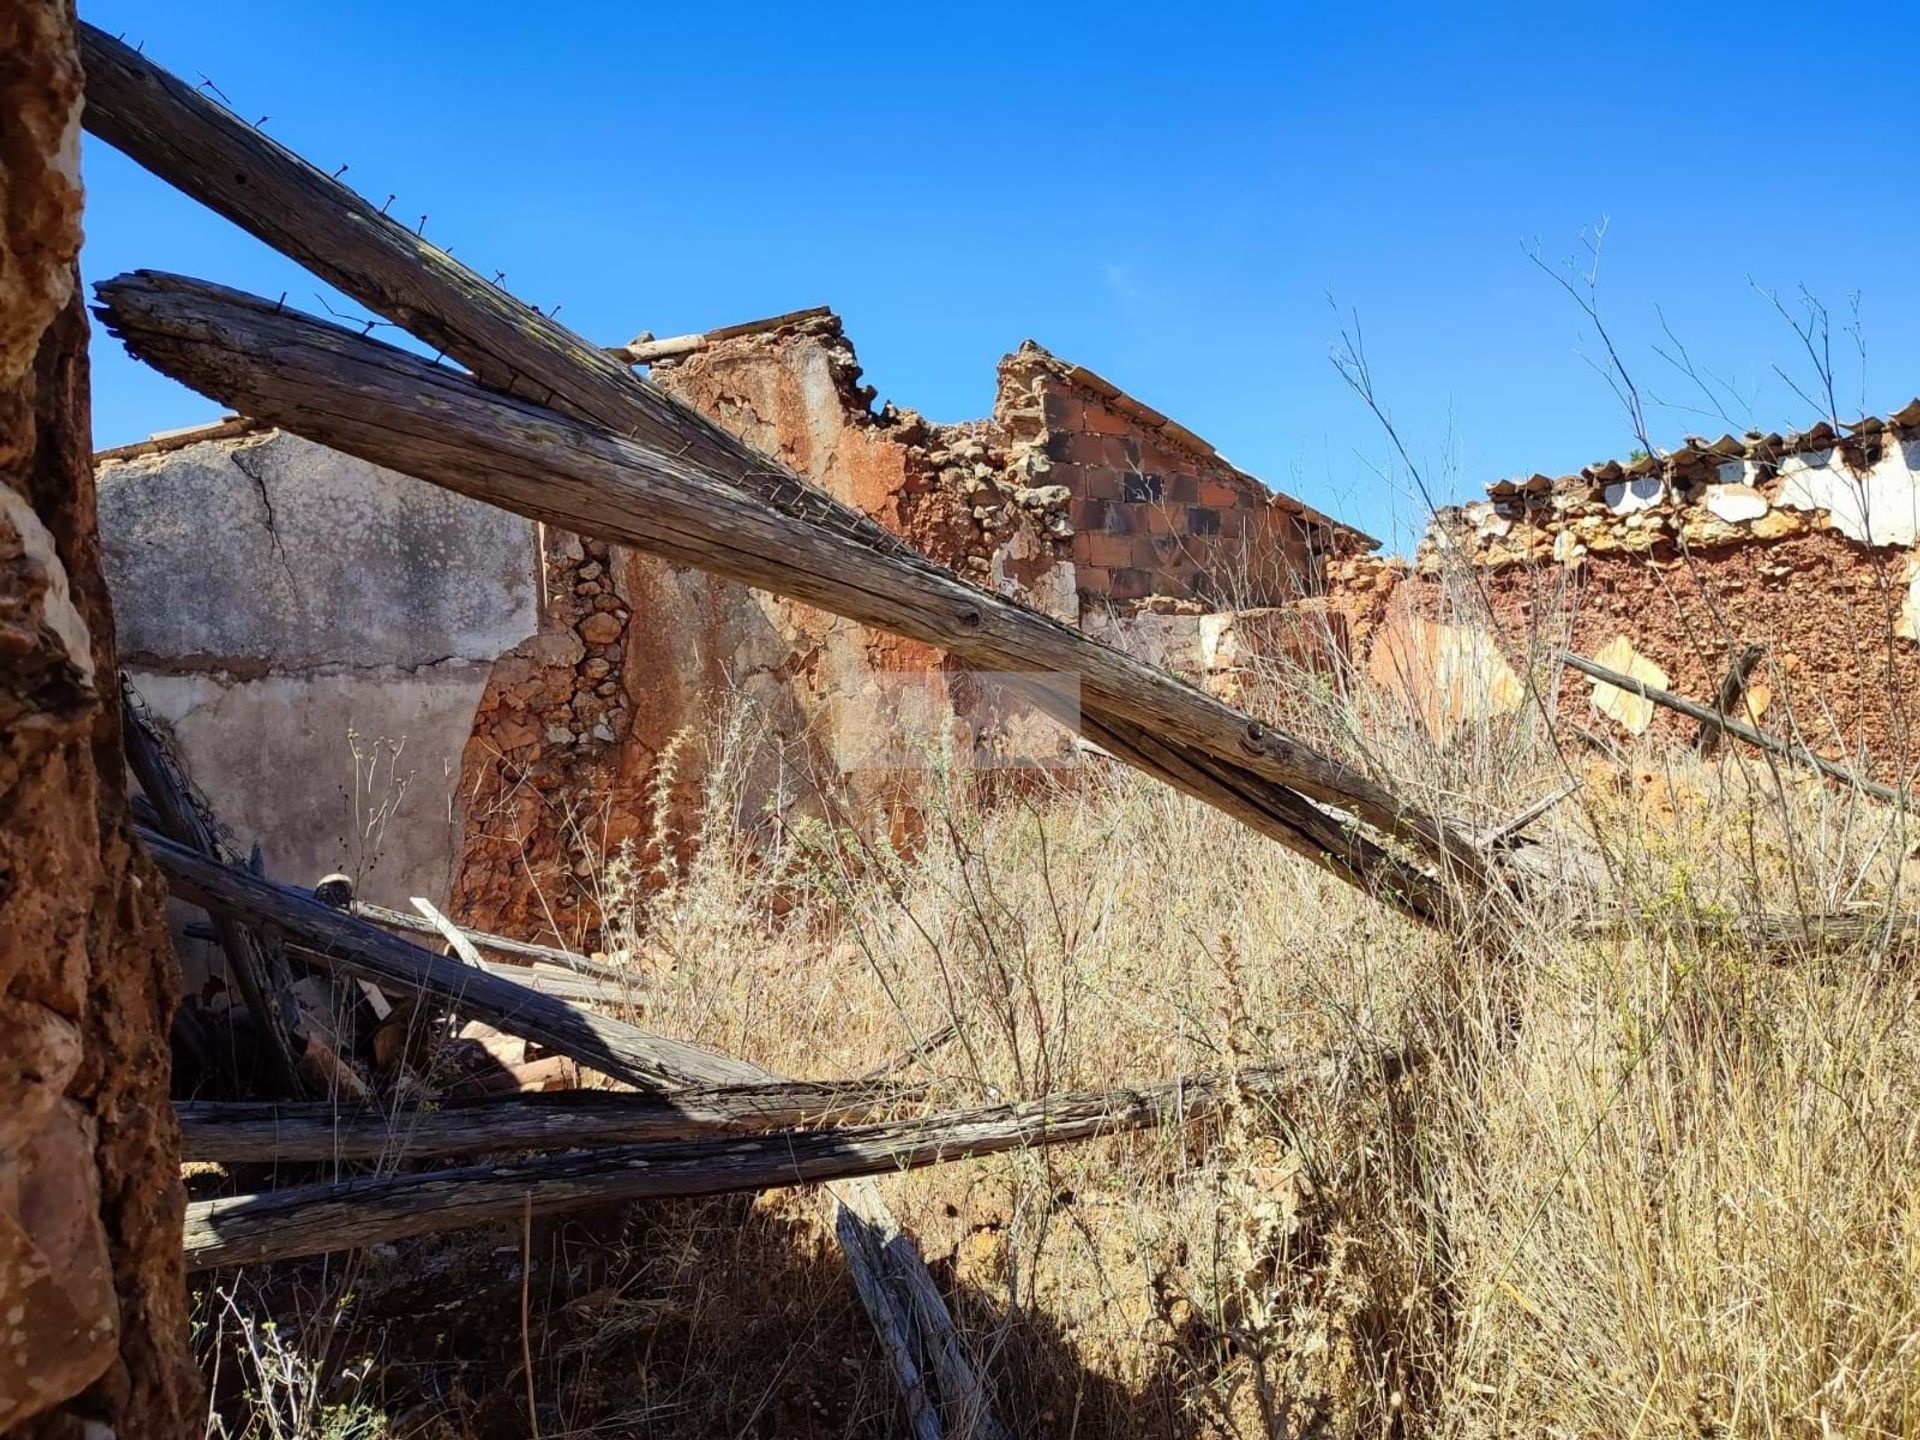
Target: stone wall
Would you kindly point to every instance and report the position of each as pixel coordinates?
(546, 687)
(316, 633)
(1155, 510)
(93, 1329)
(1666, 566)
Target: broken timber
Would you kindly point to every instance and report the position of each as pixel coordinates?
(367, 952)
(405, 413)
(248, 959)
(315, 1219)
(1733, 689)
(186, 139)
(906, 1305)
(256, 1131)
(1773, 744)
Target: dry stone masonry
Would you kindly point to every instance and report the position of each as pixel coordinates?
(1663, 568)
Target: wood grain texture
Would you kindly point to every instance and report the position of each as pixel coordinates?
(397, 410)
(314, 1219)
(264, 1131)
(367, 952)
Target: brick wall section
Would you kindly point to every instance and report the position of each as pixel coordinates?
(1156, 511)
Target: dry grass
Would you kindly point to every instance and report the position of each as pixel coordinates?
(1651, 1179)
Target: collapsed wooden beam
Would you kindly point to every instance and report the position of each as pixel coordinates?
(315, 1219)
(182, 136)
(933, 1370)
(262, 990)
(268, 1132)
(1773, 744)
(397, 410)
(645, 350)
(367, 952)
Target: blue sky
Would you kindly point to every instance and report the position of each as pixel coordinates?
(1166, 194)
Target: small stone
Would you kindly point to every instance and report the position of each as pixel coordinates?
(587, 587)
(596, 669)
(559, 735)
(603, 732)
(592, 570)
(599, 628)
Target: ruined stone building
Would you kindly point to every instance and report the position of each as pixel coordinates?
(378, 676)
(1663, 568)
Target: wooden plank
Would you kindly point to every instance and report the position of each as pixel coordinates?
(871, 1237)
(367, 952)
(1758, 738)
(208, 152)
(397, 410)
(245, 1132)
(315, 1219)
(522, 951)
(860, 1246)
(456, 939)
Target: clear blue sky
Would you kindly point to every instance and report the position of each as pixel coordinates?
(1167, 194)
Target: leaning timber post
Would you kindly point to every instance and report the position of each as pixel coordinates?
(92, 1289)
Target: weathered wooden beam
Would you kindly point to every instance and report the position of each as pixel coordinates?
(248, 1132)
(861, 1247)
(457, 939)
(314, 1219)
(211, 154)
(248, 960)
(367, 952)
(1758, 738)
(898, 1286)
(397, 410)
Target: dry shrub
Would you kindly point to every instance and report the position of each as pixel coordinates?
(1656, 1173)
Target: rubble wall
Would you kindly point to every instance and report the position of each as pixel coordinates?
(1155, 510)
(316, 633)
(567, 756)
(1802, 544)
(93, 1329)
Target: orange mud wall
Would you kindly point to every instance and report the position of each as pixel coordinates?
(91, 1284)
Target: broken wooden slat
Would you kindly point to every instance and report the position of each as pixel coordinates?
(182, 136)
(860, 1247)
(370, 953)
(247, 1132)
(396, 410)
(456, 939)
(1759, 738)
(523, 951)
(871, 1238)
(261, 990)
(315, 1219)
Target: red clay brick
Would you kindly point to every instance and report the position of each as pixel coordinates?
(1102, 421)
(1099, 484)
(1092, 579)
(1087, 514)
(1084, 449)
(1218, 492)
(1110, 550)
(1129, 584)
